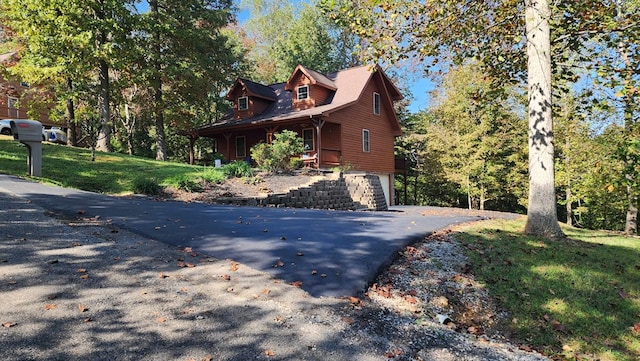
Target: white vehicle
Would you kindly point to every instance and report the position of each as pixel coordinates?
(5, 127)
(55, 135)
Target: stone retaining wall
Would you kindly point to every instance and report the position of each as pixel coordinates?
(347, 192)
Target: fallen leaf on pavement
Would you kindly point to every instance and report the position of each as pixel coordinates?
(50, 306)
(82, 270)
(234, 266)
(226, 277)
(269, 353)
(9, 324)
(296, 284)
(161, 320)
(81, 307)
(162, 275)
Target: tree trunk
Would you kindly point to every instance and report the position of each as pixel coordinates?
(130, 127)
(104, 137)
(161, 142)
(631, 223)
(72, 134)
(542, 216)
(569, 206)
(469, 200)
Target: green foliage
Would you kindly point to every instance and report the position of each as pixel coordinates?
(466, 150)
(571, 299)
(187, 183)
(278, 155)
(146, 185)
(237, 169)
(214, 175)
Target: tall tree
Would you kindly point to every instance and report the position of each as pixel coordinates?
(69, 41)
(185, 57)
(542, 218)
(283, 35)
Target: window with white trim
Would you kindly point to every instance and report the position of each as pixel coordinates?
(241, 147)
(366, 141)
(376, 103)
(303, 92)
(243, 103)
(307, 137)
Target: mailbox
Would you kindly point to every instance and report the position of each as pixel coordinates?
(29, 133)
(25, 130)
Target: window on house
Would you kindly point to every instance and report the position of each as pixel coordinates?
(12, 104)
(241, 147)
(376, 103)
(307, 137)
(303, 92)
(243, 103)
(366, 145)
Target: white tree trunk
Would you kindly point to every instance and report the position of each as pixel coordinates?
(542, 216)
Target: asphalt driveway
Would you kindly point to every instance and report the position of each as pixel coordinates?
(332, 253)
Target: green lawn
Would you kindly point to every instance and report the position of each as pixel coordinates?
(111, 173)
(576, 299)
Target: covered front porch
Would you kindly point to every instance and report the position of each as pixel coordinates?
(322, 141)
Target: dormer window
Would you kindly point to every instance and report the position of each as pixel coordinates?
(376, 103)
(243, 103)
(303, 92)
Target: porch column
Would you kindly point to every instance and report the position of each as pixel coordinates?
(318, 124)
(227, 136)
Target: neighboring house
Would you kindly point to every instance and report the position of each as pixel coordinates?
(14, 94)
(345, 119)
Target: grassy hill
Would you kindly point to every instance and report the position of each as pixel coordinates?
(111, 173)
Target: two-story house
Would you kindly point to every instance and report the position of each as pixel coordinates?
(345, 119)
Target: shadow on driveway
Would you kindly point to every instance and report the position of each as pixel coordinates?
(332, 253)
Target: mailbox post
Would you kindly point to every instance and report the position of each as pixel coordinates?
(29, 133)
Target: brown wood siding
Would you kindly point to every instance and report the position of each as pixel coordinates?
(257, 105)
(15, 89)
(358, 117)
